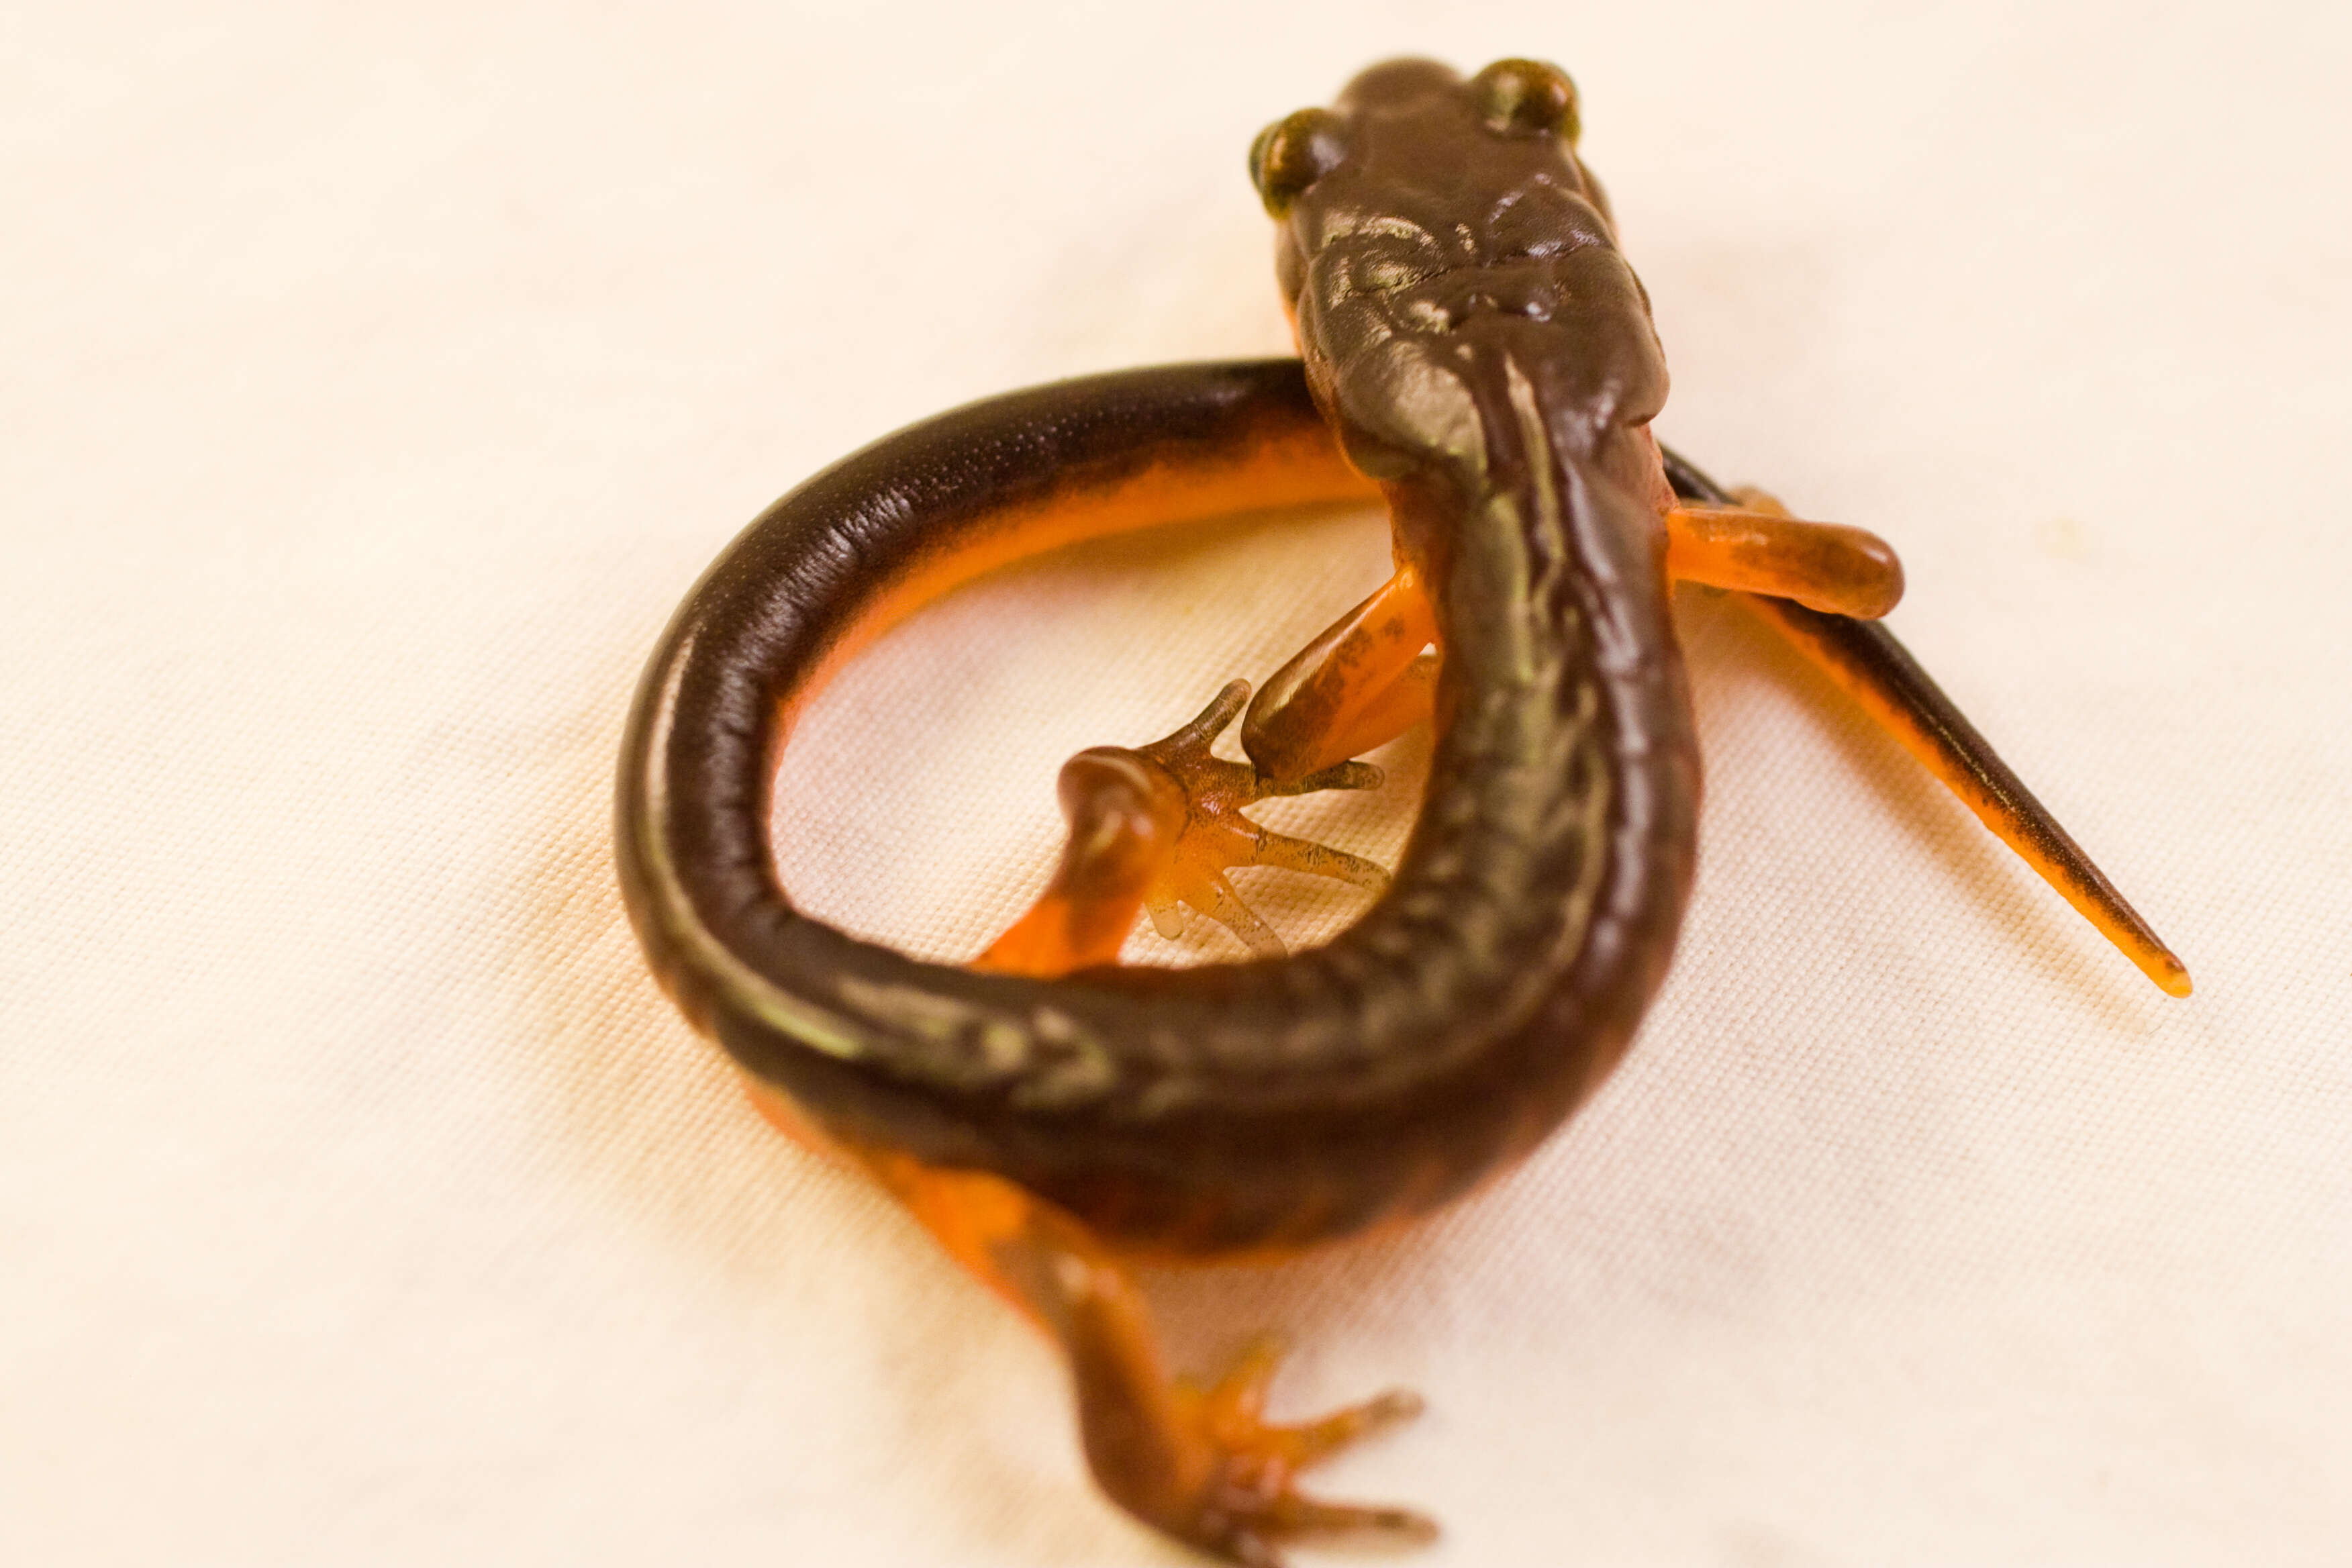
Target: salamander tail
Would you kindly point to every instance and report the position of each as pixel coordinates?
(1866, 660)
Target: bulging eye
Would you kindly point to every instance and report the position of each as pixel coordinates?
(1526, 96)
(1291, 154)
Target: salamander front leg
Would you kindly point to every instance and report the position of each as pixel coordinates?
(1364, 680)
(1158, 826)
(1756, 547)
(1200, 1464)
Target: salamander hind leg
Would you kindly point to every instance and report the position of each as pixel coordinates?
(1157, 827)
(1200, 1464)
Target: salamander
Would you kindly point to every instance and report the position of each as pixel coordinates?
(1477, 353)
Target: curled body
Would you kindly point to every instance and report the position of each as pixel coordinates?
(1532, 913)
(1476, 351)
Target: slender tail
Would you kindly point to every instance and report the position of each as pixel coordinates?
(1865, 660)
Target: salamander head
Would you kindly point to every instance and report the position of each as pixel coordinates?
(1434, 230)
(1511, 98)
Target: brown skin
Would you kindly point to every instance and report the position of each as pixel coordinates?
(1474, 344)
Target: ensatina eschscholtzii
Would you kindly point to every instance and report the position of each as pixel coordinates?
(1477, 352)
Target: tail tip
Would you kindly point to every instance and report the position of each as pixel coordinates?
(2171, 975)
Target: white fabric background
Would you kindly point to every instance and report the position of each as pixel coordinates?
(374, 380)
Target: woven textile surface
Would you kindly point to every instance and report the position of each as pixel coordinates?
(377, 379)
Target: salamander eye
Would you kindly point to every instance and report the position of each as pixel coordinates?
(1526, 96)
(1291, 154)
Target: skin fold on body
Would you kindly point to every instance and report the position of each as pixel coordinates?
(1475, 352)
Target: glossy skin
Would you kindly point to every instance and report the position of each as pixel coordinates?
(1481, 351)
(1528, 923)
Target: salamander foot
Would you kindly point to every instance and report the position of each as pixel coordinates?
(1250, 1503)
(1159, 826)
(1214, 836)
(1201, 1465)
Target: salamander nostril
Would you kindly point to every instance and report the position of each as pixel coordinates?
(1444, 303)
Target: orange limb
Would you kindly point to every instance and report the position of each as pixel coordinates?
(1758, 548)
(1199, 1463)
(1127, 817)
(1360, 683)
(1158, 826)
